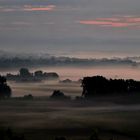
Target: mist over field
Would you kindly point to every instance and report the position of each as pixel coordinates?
(69, 69)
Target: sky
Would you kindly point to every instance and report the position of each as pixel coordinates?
(75, 28)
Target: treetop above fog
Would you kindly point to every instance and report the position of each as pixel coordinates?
(27, 76)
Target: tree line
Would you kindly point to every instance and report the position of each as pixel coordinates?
(99, 85)
(96, 85)
(25, 75)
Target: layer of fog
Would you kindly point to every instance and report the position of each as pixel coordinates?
(67, 68)
(73, 88)
(14, 61)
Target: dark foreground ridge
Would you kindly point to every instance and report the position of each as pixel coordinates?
(91, 134)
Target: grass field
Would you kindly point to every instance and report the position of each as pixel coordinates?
(45, 88)
(44, 119)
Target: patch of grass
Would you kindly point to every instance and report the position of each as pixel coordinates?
(44, 118)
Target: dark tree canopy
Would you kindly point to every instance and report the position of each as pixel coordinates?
(2, 80)
(5, 90)
(24, 72)
(59, 95)
(38, 73)
(26, 76)
(99, 85)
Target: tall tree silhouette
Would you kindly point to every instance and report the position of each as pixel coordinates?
(5, 90)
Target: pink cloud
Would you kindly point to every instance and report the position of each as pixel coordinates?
(119, 25)
(106, 23)
(118, 22)
(94, 22)
(109, 19)
(41, 8)
(133, 19)
(28, 8)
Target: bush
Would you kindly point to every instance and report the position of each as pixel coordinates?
(58, 95)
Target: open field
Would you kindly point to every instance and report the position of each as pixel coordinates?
(44, 119)
(115, 117)
(45, 88)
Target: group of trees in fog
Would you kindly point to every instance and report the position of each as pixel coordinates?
(25, 75)
(5, 90)
(96, 85)
(99, 85)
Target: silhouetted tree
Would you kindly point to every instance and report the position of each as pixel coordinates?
(2, 80)
(94, 85)
(38, 73)
(5, 90)
(24, 72)
(99, 85)
(57, 94)
(51, 75)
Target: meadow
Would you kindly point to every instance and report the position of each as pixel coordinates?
(112, 117)
(45, 88)
(76, 120)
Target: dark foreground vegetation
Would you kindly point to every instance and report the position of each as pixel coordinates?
(10, 134)
(40, 119)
